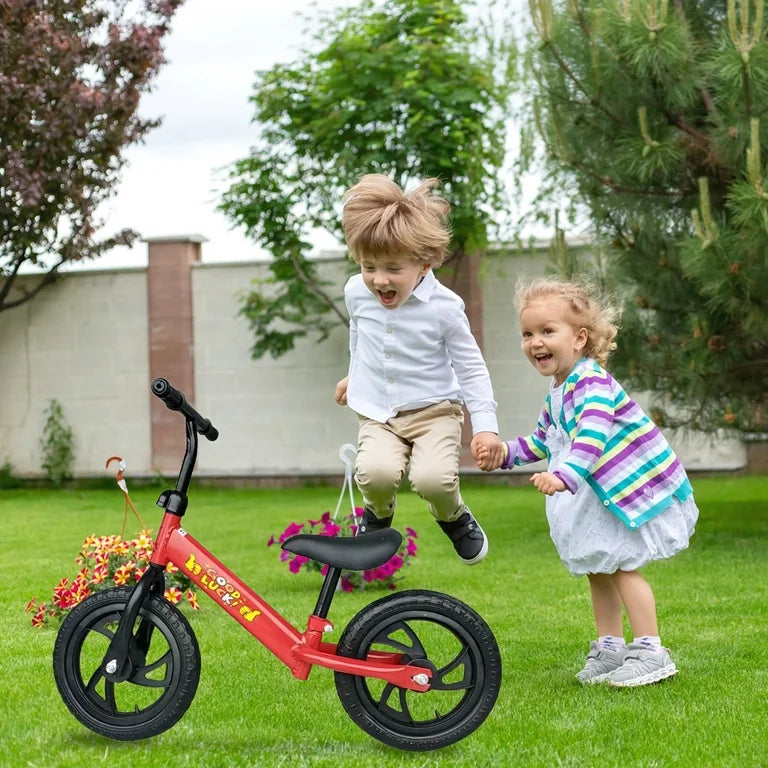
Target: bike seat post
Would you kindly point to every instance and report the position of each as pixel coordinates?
(331, 580)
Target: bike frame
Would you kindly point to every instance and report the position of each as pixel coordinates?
(299, 651)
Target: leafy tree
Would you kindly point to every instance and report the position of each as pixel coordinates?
(71, 74)
(655, 119)
(401, 87)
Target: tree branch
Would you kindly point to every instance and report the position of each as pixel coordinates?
(47, 279)
(569, 73)
(317, 290)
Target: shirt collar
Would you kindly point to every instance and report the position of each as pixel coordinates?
(424, 290)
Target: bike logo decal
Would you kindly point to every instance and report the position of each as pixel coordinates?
(220, 587)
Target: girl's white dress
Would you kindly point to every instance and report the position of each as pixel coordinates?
(590, 538)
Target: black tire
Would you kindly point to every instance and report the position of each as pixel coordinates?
(435, 631)
(159, 691)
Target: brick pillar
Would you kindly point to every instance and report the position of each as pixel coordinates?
(464, 279)
(171, 342)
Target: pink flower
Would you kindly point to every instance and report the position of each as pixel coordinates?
(324, 518)
(272, 540)
(411, 533)
(330, 529)
(291, 530)
(295, 565)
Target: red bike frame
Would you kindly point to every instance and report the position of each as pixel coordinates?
(299, 651)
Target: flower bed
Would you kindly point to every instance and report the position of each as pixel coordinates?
(109, 561)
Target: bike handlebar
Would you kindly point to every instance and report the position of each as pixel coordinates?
(175, 400)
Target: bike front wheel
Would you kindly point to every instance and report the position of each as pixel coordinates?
(166, 668)
(430, 630)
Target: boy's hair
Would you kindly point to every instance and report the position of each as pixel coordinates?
(587, 306)
(380, 219)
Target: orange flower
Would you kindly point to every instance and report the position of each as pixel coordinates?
(121, 575)
(145, 540)
(172, 594)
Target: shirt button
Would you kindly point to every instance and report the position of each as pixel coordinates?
(388, 355)
(391, 381)
(389, 329)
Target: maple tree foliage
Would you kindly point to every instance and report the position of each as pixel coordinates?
(71, 76)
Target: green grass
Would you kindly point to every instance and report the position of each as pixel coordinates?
(249, 710)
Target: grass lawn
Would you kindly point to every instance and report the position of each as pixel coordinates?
(249, 710)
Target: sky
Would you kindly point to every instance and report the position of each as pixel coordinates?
(172, 182)
(170, 185)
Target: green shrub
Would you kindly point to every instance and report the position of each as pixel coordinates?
(57, 444)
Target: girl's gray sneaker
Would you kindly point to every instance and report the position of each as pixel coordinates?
(643, 666)
(601, 662)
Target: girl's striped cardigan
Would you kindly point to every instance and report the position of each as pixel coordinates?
(615, 447)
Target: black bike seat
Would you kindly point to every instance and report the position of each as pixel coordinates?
(357, 553)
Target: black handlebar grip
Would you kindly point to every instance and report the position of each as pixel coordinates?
(176, 401)
(206, 429)
(171, 396)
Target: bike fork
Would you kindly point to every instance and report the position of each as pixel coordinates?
(126, 652)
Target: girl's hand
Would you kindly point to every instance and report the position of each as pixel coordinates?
(341, 391)
(487, 451)
(547, 483)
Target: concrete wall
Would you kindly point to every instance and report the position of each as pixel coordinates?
(83, 342)
(86, 341)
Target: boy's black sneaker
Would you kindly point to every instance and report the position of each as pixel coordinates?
(469, 539)
(370, 523)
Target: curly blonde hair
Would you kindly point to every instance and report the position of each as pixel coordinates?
(380, 219)
(587, 308)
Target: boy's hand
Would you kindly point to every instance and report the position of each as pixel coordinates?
(341, 391)
(548, 483)
(487, 450)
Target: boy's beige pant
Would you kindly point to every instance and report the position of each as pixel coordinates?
(427, 441)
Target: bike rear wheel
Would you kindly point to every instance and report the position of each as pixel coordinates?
(441, 634)
(164, 680)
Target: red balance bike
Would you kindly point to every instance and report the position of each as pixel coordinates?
(417, 670)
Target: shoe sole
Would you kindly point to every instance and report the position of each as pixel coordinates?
(482, 553)
(596, 679)
(651, 677)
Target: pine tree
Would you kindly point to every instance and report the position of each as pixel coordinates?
(654, 116)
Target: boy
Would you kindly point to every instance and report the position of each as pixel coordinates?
(413, 361)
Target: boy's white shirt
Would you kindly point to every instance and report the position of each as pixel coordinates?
(419, 354)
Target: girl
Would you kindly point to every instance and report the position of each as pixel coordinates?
(617, 496)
